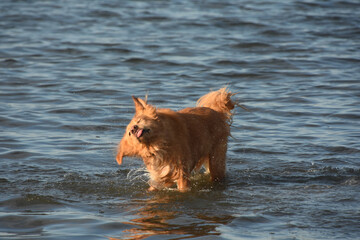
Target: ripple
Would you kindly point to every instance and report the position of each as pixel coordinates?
(233, 74)
(276, 33)
(85, 128)
(250, 220)
(256, 151)
(11, 63)
(231, 63)
(113, 184)
(103, 14)
(288, 176)
(95, 92)
(118, 50)
(252, 45)
(15, 154)
(151, 62)
(66, 111)
(236, 22)
(30, 201)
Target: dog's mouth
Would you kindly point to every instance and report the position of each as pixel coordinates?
(139, 132)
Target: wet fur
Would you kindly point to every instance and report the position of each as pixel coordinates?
(173, 144)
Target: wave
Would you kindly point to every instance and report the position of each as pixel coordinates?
(298, 176)
(126, 182)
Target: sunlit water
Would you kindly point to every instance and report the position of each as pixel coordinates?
(67, 73)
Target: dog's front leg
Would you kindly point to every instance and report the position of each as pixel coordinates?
(183, 183)
(152, 189)
(156, 186)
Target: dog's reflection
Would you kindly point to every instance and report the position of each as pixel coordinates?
(153, 219)
(161, 216)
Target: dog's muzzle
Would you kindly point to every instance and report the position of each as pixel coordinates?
(138, 132)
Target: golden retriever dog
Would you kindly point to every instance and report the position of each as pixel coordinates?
(174, 143)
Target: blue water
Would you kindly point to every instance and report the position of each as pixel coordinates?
(68, 70)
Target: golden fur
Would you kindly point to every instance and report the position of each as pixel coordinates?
(173, 144)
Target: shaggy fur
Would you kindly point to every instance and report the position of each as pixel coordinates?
(173, 144)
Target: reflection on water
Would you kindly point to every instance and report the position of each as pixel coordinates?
(161, 215)
(153, 218)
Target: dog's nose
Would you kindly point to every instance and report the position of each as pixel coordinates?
(134, 129)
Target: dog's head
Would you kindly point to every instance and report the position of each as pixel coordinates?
(144, 125)
(141, 132)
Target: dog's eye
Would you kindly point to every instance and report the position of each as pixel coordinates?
(129, 134)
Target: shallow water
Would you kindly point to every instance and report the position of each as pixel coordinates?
(67, 73)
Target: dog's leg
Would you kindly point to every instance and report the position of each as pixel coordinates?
(183, 183)
(207, 166)
(152, 189)
(204, 162)
(156, 186)
(217, 162)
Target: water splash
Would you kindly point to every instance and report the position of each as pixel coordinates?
(139, 174)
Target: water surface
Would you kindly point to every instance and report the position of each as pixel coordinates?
(68, 70)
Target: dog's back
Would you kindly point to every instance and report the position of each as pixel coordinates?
(207, 130)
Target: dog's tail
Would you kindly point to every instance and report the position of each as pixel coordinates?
(219, 101)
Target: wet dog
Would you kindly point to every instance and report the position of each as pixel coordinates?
(174, 143)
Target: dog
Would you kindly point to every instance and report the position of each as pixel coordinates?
(174, 143)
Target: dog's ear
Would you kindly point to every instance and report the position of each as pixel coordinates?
(121, 151)
(139, 104)
(124, 149)
(119, 157)
(142, 106)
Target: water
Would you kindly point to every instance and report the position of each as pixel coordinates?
(67, 73)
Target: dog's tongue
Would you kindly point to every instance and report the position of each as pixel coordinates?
(139, 133)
